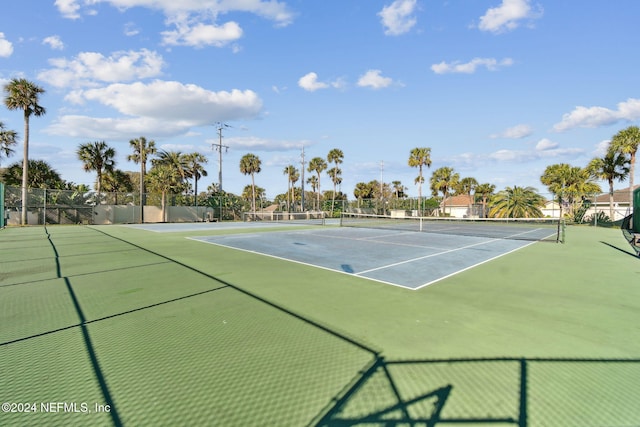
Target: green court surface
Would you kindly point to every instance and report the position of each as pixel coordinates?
(115, 325)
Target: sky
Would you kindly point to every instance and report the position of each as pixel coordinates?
(498, 89)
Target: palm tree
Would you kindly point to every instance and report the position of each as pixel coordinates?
(443, 180)
(569, 184)
(248, 190)
(99, 157)
(41, 175)
(8, 138)
(24, 95)
(174, 159)
(313, 181)
(420, 157)
(517, 202)
(294, 178)
(117, 181)
(335, 173)
(485, 191)
(362, 191)
(613, 166)
(195, 169)
(555, 177)
(142, 149)
(581, 186)
(164, 179)
(317, 165)
(250, 165)
(335, 156)
(398, 189)
(292, 173)
(466, 186)
(627, 142)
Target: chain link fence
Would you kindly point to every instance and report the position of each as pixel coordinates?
(52, 206)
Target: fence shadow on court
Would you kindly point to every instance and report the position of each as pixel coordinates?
(624, 251)
(496, 391)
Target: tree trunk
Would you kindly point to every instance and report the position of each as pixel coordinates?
(253, 194)
(25, 169)
(610, 200)
(143, 167)
(164, 207)
(420, 191)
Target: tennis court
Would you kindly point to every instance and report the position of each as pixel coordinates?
(144, 325)
(396, 257)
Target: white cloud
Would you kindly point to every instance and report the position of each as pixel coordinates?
(544, 149)
(162, 108)
(54, 42)
(398, 18)
(68, 8)
(130, 29)
(270, 9)
(470, 67)
(309, 82)
(592, 117)
(508, 15)
(374, 79)
(76, 126)
(522, 156)
(515, 132)
(194, 22)
(512, 155)
(200, 35)
(188, 104)
(263, 144)
(546, 144)
(602, 148)
(6, 47)
(88, 68)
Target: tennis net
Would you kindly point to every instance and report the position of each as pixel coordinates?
(534, 229)
(297, 217)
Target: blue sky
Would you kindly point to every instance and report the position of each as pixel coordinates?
(499, 89)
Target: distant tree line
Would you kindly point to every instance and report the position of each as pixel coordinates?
(175, 173)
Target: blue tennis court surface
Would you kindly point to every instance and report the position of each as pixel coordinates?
(407, 259)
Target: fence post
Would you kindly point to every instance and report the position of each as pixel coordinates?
(2, 210)
(636, 210)
(44, 208)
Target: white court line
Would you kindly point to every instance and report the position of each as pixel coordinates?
(428, 256)
(370, 239)
(300, 262)
(360, 274)
(471, 266)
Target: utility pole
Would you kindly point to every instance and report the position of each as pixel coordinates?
(219, 146)
(383, 210)
(303, 163)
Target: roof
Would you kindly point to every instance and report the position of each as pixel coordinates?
(620, 196)
(460, 200)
